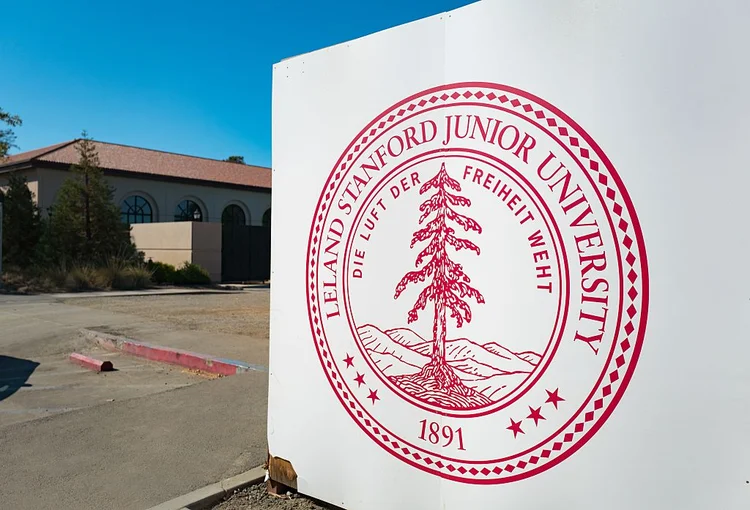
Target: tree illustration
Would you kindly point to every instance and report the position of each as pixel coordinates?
(450, 287)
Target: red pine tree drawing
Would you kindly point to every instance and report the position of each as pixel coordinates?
(449, 289)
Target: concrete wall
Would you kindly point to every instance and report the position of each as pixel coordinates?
(178, 242)
(164, 196)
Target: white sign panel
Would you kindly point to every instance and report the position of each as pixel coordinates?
(490, 276)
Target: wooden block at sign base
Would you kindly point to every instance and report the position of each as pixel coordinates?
(282, 477)
(276, 488)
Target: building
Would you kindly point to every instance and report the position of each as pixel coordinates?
(182, 208)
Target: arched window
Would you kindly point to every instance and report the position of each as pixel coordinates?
(136, 209)
(233, 215)
(267, 218)
(187, 210)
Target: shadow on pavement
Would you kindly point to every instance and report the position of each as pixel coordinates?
(14, 372)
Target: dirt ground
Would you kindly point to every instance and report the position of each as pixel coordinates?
(241, 313)
(256, 497)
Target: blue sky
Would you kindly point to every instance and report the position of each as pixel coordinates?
(179, 76)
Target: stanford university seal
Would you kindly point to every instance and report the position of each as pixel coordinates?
(477, 283)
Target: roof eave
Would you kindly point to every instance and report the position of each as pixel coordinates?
(153, 177)
(16, 165)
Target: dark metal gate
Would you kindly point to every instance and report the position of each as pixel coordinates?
(245, 253)
(260, 253)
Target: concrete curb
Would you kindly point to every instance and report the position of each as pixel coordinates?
(91, 363)
(187, 359)
(139, 293)
(214, 493)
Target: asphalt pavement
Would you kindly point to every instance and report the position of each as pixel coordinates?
(47, 385)
(130, 439)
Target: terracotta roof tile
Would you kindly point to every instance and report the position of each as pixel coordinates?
(152, 162)
(29, 155)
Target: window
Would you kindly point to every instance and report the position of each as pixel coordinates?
(233, 215)
(136, 209)
(267, 218)
(187, 210)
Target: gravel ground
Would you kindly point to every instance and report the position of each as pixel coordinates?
(256, 497)
(242, 313)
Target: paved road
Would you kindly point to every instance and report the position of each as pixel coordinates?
(48, 385)
(70, 438)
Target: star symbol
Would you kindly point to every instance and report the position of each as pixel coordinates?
(360, 379)
(349, 361)
(373, 396)
(515, 427)
(553, 398)
(536, 415)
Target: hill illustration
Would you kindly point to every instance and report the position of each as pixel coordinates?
(392, 358)
(487, 371)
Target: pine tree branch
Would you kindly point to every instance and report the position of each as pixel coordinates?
(432, 183)
(431, 228)
(428, 293)
(451, 182)
(457, 200)
(464, 221)
(461, 244)
(464, 290)
(460, 310)
(455, 274)
(433, 247)
(431, 205)
(452, 305)
(454, 271)
(414, 277)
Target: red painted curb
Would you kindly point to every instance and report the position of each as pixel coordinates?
(176, 357)
(91, 363)
(172, 356)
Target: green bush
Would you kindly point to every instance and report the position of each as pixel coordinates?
(55, 275)
(112, 274)
(48, 279)
(139, 277)
(161, 272)
(84, 278)
(12, 278)
(31, 281)
(120, 274)
(187, 274)
(192, 274)
(116, 274)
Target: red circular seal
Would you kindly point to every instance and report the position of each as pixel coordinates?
(477, 283)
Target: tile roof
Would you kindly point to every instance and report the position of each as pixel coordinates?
(151, 162)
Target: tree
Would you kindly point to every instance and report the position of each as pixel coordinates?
(85, 222)
(450, 287)
(21, 223)
(236, 159)
(7, 136)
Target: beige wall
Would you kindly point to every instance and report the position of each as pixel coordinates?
(206, 246)
(31, 177)
(178, 242)
(164, 196)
